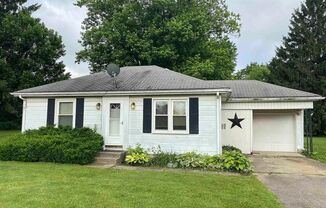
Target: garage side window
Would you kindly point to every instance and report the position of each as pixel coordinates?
(161, 115)
(65, 115)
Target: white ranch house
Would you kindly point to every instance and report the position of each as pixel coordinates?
(154, 106)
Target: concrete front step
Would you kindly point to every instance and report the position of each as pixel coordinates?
(109, 158)
(108, 161)
(110, 154)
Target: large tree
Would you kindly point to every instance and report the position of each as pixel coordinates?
(188, 36)
(253, 71)
(29, 54)
(301, 60)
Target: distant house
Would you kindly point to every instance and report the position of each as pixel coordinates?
(154, 106)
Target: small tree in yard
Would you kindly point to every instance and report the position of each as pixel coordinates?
(188, 36)
(253, 71)
(29, 54)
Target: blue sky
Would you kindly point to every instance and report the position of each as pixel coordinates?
(264, 23)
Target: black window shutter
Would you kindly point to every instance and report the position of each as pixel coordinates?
(50, 113)
(79, 113)
(193, 116)
(147, 115)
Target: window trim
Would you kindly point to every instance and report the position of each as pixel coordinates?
(56, 110)
(170, 130)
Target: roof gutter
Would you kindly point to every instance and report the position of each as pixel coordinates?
(282, 99)
(119, 93)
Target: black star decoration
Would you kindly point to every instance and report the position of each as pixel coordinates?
(236, 121)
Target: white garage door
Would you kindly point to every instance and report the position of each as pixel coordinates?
(274, 132)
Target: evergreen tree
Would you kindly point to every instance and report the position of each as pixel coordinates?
(188, 36)
(301, 60)
(29, 54)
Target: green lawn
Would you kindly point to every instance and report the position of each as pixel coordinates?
(60, 185)
(6, 134)
(319, 149)
(57, 185)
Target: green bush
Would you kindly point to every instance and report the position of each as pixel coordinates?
(194, 160)
(235, 161)
(162, 159)
(10, 125)
(137, 156)
(49, 144)
(137, 159)
(229, 148)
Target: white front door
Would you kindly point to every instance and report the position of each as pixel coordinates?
(115, 124)
(115, 120)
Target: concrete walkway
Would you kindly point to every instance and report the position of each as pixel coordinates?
(299, 182)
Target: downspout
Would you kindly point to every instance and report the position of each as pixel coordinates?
(218, 123)
(24, 112)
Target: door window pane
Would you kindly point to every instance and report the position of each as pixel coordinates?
(114, 129)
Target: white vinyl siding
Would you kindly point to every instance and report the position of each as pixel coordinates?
(34, 113)
(236, 136)
(92, 116)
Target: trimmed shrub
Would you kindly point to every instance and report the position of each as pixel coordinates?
(49, 144)
(10, 125)
(235, 161)
(229, 148)
(137, 156)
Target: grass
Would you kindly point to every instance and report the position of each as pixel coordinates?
(6, 134)
(58, 185)
(62, 185)
(319, 144)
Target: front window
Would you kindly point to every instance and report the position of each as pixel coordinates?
(161, 115)
(65, 116)
(179, 115)
(170, 116)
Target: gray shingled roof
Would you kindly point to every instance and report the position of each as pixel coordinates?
(144, 78)
(131, 78)
(258, 89)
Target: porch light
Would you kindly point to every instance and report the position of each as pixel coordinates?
(98, 106)
(133, 106)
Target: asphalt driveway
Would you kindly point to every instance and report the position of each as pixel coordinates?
(297, 181)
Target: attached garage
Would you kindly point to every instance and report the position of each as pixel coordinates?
(274, 131)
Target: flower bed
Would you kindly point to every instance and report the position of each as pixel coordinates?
(232, 160)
